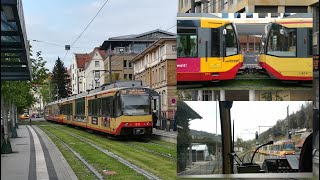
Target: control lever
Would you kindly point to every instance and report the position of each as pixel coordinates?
(250, 167)
(268, 143)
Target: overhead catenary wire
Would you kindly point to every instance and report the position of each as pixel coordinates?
(59, 45)
(86, 27)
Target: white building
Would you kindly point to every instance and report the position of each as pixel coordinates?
(200, 152)
(94, 70)
(85, 68)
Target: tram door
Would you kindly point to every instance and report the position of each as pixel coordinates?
(155, 105)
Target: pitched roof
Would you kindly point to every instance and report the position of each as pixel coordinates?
(133, 36)
(81, 59)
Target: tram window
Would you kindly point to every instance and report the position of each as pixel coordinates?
(309, 39)
(187, 43)
(282, 41)
(231, 41)
(80, 106)
(90, 107)
(96, 107)
(117, 106)
(215, 42)
(106, 106)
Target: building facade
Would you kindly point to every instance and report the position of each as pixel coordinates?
(122, 49)
(156, 67)
(87, 70)
(94, 70)
(257, 6)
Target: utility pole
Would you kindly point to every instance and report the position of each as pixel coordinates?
(288, 120)
(217, 134)
(110, 72)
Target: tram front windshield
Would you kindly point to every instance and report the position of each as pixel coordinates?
(136, 105)
(288, 147)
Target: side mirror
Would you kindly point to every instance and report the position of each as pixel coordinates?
(281, 31)
(224, 31)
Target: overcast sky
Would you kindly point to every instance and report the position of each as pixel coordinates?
(247, 115)
(61, 22)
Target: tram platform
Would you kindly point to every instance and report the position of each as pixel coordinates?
(168, 136)
(34, 156)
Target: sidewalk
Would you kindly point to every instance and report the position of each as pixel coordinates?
(34, 157)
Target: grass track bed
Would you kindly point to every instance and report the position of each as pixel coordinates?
(157, 165)
(97, 159)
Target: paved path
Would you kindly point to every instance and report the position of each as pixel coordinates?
(34, 157)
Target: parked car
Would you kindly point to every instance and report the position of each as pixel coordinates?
(24, 116)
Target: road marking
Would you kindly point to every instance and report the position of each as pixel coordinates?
(41, 166)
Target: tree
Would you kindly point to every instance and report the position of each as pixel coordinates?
(60, 79)
(39, 72)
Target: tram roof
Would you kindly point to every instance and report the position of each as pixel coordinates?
(117, 85)
(299, 20)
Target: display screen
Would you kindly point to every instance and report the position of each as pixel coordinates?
(134, 91)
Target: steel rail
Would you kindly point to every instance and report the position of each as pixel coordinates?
(123, 161)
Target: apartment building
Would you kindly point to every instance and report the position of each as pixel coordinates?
(121, 50)
(241, 6)
(87, 71)
(156, 67)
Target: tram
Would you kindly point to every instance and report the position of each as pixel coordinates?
(287, 51)
(279, 148)
(112, 109)
(207, 48)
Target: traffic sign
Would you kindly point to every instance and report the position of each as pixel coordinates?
(173, 101)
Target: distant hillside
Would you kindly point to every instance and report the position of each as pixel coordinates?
(298, 120)
(203, 135)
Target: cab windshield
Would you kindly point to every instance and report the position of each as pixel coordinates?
(288, 147)
(136, 105)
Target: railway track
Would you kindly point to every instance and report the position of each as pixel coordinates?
(118, 158)
(152, 151)
(88, 165)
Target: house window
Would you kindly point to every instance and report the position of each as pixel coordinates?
(130, 65)
(174, 47)
(96, 64)
(125, 63)
(97, 74)
(125, 76)
(130, 76)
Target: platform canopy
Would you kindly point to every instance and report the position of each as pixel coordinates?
(15, 60)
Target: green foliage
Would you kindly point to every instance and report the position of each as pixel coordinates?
(60, 79)
(39, 72)
(297, 120)
(184, 95)
(183, 138)
(19, 92)
(272, 96)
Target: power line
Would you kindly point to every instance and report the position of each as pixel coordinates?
(59, 45)
(89, 23)
(86, 27)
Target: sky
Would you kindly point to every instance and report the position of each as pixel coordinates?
(60, 22)
(247, 115)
